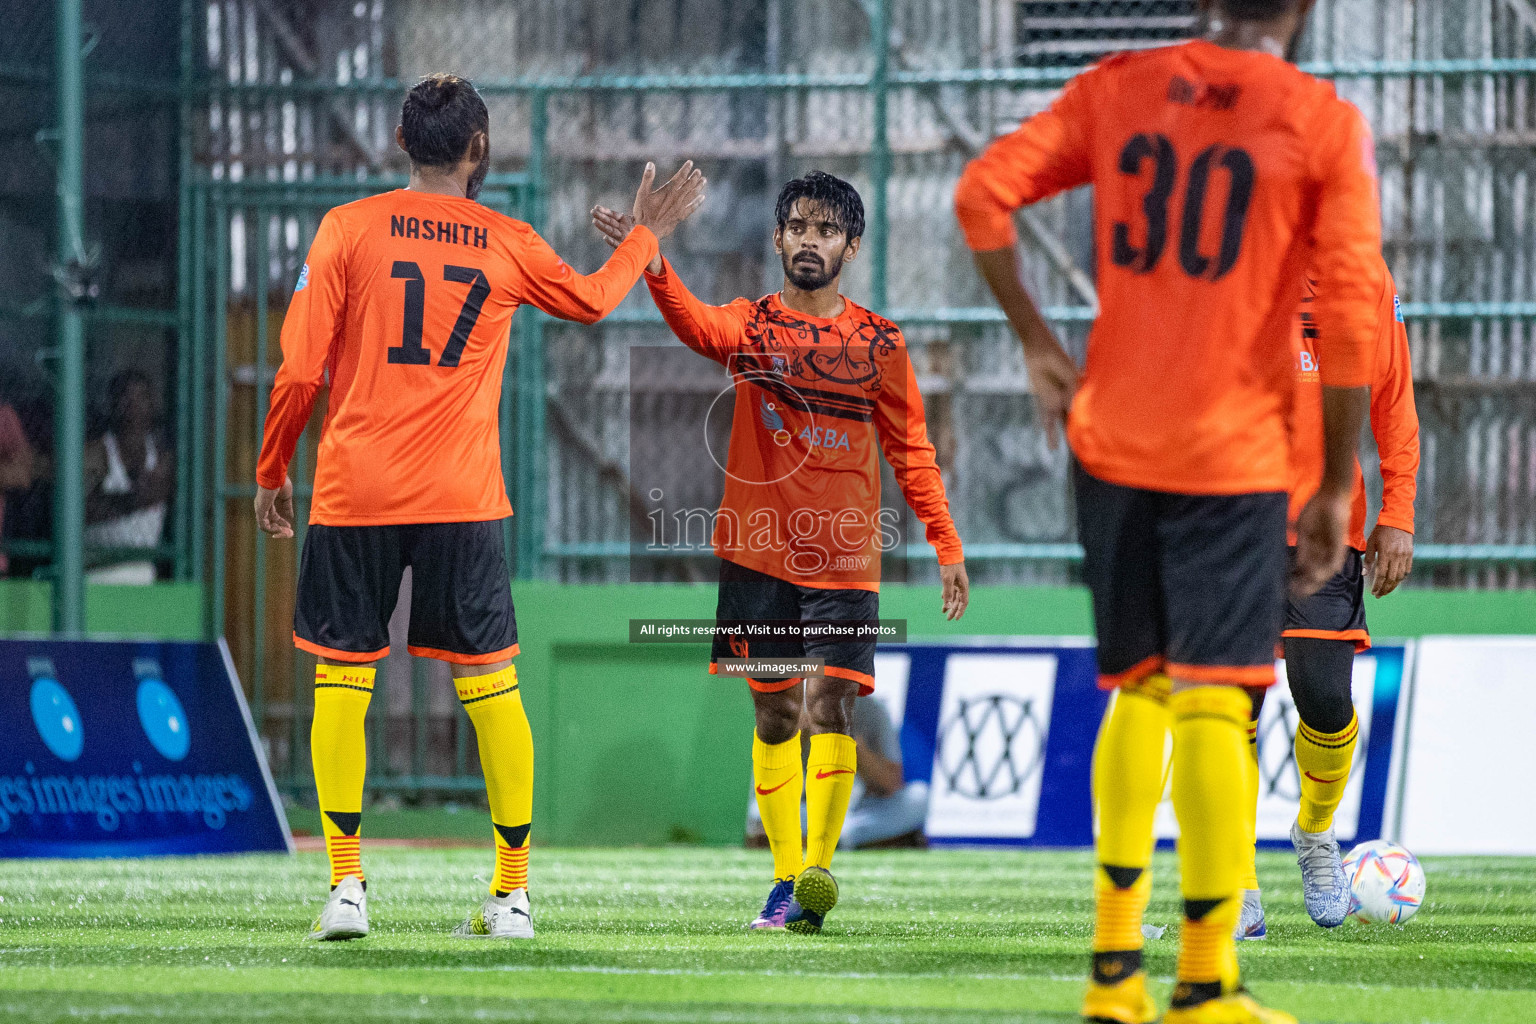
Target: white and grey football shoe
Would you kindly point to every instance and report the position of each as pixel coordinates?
(345, 914)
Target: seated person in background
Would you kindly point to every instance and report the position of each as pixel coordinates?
(15, 465)
(129, 475)
(885, 809)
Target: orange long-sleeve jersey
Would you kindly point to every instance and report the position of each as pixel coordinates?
(816, 402)
(405, 305)
(1214, 171)
(1394, 418)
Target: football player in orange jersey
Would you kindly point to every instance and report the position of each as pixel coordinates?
(403, 308)
(1219, 170)
(1324, 631)
(822, 387)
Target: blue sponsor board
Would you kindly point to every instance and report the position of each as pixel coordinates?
(129, 749)
(1004, 735)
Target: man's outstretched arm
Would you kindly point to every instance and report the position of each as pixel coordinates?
(713, 331)
(1347, 239)
(1395, 425)
(1047, 154)
(310, 328)
(551, 285)
(902, 427)
(1053, 376)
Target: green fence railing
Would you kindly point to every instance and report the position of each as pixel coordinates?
(204, 542)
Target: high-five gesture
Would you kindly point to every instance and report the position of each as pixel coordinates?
(664, 208)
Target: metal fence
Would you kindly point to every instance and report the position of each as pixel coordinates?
(281, 108)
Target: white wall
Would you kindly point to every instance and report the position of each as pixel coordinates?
(1470, 773)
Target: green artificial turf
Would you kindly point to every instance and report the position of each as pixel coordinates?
(656, 935)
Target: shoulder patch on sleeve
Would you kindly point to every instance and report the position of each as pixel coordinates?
(303, 279)
(1397, 307)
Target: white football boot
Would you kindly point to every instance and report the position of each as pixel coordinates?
(499, 917)
(1250, 921)
(345, 915)
(1324, 887)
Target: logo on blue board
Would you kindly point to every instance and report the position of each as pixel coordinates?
(55, 715)
(162, 717)
(303, 279)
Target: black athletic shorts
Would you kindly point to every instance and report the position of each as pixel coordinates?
(1193, 584)
(748, 596)
(461, 596)
(1335, 612)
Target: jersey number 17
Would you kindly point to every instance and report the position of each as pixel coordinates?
(410, 350)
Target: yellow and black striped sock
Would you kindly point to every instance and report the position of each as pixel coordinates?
(779, 780)
(1323, 760)
(511, 859)
(1127, 784)
(505, 741)
(1210, 783)
(338, 751)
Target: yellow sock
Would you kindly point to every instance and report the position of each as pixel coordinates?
(338, 750)
(1323, 760)
(1210, 783)
(829, 774)
(778, 777)
(506, 756)
(1128, 784)
(1251, 805)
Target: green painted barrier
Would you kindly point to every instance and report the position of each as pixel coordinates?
(637, 744)
(164, 611)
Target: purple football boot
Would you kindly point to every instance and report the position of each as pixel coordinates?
(780, 899)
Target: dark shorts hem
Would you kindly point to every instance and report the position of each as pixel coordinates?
(1134, 674)
(1225, 675)
(334, 654)
(460, 601)
(1337, 610)
(455, 658)
(747, 595)
(1192, 583)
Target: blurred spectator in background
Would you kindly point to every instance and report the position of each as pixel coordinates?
(15, 465)
(129, 476)
(885, 810)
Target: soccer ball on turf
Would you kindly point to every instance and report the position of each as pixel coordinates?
(1386, 882)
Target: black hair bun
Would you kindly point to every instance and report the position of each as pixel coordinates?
(435, 92)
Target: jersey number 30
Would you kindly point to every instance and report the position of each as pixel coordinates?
(410, 350)
(1239, 167)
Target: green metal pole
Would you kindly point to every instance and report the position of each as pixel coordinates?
(880, 155)
(220, 416)
(376, 758)
(298, 682)
(530, 371)
(69, 420)
(258, 282)
(418, 717)
(184, 386)
(199, 470)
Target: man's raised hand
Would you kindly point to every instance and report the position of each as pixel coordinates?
(615, 227)
(664, 208)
